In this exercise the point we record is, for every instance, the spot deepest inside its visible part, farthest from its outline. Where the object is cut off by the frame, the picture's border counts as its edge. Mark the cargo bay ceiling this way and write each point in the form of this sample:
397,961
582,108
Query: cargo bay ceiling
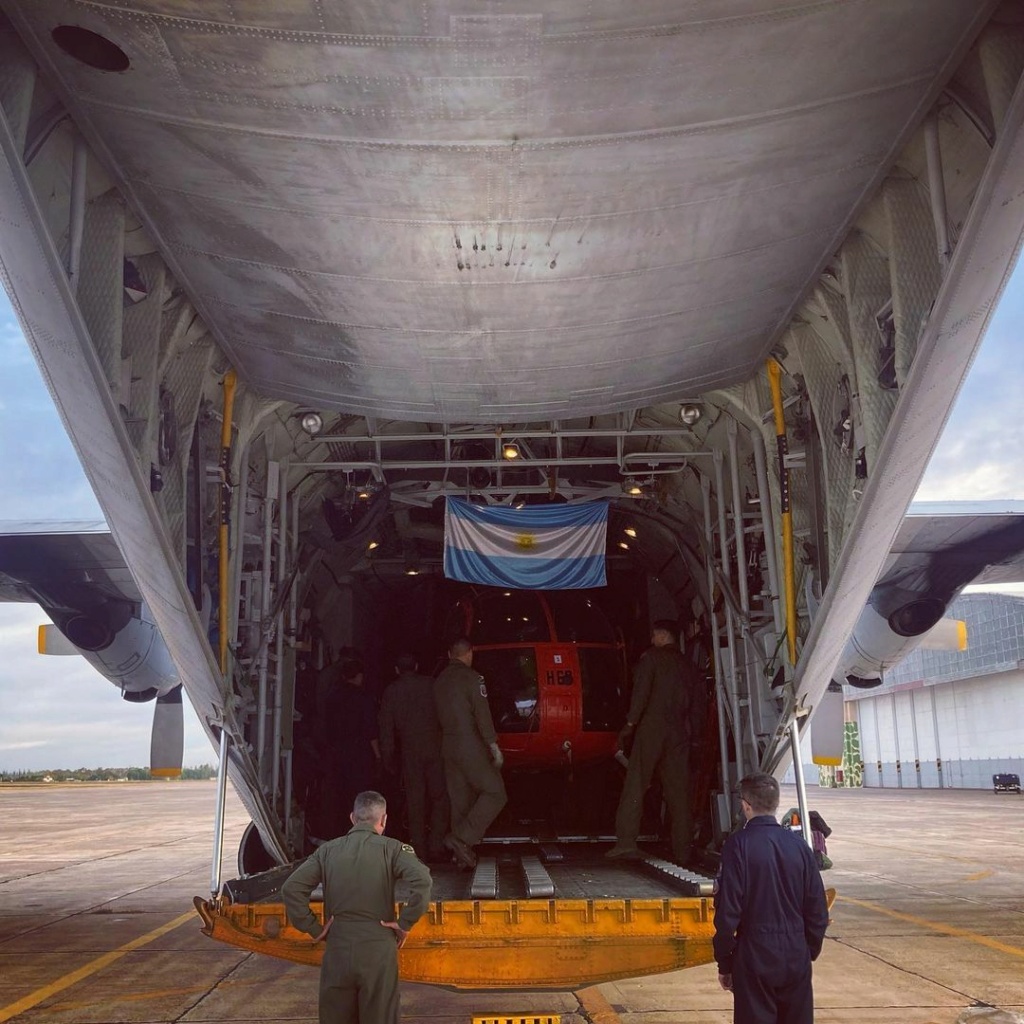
440,211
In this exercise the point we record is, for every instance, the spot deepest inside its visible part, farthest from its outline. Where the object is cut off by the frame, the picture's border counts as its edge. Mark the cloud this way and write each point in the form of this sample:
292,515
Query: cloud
981,452
61,713
43,478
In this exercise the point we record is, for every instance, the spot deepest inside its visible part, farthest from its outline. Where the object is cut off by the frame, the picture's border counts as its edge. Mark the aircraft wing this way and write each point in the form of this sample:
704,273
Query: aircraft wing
76,572
989,530
40,560
940,548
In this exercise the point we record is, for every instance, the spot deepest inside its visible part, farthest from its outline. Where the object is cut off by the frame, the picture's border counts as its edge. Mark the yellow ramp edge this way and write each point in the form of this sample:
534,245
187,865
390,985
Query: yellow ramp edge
501,944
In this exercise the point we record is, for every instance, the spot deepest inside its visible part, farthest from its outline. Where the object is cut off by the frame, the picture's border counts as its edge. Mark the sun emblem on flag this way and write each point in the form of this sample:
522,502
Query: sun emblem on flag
525,541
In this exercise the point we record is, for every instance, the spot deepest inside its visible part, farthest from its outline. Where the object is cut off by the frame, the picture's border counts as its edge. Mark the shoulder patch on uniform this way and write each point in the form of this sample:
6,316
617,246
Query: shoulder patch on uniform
483,689
406,848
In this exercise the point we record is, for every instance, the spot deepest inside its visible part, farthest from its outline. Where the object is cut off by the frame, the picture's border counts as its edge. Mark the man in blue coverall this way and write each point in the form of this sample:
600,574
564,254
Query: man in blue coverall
770,914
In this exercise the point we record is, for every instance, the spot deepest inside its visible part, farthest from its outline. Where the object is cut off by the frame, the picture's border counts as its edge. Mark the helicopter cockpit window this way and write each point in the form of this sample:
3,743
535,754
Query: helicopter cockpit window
510,617
578,619
604,689
511,678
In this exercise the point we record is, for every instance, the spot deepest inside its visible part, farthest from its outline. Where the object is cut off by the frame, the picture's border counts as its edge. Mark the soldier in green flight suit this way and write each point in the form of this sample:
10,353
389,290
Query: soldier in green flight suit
660,713
469,746
359,972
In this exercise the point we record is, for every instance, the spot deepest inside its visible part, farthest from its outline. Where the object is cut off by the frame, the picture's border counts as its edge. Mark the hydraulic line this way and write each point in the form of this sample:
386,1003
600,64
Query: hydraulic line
225,517
788,574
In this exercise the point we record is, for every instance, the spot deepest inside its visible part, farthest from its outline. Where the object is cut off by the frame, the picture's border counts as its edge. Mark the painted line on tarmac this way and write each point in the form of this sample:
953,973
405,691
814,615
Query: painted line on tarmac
596,1007
44,993
935,926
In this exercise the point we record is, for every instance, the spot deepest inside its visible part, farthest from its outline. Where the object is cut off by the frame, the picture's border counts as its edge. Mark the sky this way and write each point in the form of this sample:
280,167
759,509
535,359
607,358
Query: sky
60,713
56,712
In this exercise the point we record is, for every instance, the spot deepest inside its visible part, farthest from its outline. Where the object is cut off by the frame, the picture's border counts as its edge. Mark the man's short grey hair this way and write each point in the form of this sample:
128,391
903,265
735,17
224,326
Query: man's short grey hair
369,807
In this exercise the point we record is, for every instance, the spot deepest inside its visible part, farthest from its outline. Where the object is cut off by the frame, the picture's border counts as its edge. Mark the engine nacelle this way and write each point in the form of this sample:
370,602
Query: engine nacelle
881,640
126,649
873,647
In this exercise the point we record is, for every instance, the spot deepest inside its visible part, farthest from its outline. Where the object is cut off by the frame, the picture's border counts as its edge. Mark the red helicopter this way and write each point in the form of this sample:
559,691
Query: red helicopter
555,671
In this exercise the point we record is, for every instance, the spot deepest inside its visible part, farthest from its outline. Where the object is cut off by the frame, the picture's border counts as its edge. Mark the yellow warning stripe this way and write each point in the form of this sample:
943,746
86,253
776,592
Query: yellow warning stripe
935,926
44,993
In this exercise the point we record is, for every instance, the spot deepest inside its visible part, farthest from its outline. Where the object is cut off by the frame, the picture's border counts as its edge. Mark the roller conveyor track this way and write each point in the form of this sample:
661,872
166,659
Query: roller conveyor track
536,878
484,885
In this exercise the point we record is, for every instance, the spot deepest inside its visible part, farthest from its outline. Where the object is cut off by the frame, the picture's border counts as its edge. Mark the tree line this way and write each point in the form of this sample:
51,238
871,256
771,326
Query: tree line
203,771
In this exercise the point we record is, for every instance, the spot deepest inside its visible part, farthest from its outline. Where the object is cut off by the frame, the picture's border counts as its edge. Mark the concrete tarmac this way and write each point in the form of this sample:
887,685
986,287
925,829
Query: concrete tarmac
96,922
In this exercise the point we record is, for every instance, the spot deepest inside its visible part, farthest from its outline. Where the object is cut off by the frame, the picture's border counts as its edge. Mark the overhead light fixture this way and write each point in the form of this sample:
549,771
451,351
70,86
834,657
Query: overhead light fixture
412,572
364,495
690,414
623,545
373,544
312,423
630,531
635,490
510,450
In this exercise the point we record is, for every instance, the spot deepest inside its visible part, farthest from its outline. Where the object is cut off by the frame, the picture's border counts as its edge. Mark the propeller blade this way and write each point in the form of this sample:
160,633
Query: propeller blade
168,741
52,641
946,635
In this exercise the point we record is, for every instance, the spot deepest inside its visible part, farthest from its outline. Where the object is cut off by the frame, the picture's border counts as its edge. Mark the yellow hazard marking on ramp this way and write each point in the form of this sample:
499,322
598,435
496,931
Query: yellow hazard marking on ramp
596,1007
935,926
44,993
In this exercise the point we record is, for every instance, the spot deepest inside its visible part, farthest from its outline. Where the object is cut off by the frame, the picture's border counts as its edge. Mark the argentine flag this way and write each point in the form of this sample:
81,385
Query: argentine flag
544,547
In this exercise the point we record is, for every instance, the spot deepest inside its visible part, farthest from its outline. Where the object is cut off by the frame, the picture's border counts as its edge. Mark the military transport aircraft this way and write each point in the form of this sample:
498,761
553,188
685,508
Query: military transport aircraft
298,273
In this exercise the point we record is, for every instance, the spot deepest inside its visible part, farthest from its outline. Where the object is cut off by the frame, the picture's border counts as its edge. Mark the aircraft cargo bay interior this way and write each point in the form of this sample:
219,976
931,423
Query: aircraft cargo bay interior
310,283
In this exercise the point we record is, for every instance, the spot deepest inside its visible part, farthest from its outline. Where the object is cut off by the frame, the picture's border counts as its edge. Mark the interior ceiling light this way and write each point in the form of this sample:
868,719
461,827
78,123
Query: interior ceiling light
623,545
364,494
373,544
635,489
630,531
690,414
412,572
312,423
510,450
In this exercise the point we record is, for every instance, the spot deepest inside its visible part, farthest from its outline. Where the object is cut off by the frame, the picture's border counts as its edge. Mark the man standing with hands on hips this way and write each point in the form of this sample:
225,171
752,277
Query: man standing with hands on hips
770,914
359,972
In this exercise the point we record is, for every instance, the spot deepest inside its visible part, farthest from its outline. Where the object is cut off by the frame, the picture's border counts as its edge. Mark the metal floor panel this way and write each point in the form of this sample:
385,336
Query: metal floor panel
579,871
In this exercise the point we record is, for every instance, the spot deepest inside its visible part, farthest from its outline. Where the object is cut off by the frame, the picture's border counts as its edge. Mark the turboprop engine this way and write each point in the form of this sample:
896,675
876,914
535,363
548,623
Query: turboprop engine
879,642
124,645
